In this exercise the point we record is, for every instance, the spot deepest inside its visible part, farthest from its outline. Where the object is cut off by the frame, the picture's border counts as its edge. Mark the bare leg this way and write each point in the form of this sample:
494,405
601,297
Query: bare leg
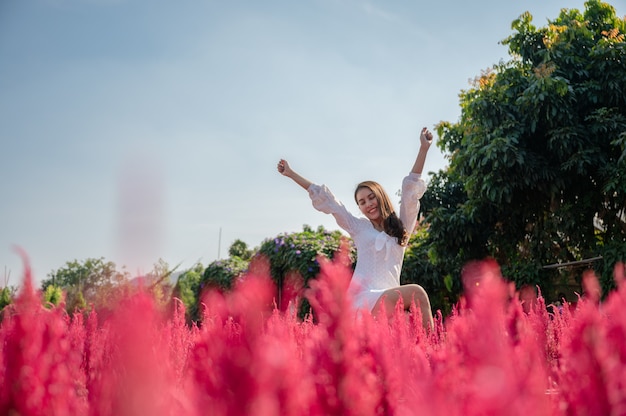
388,300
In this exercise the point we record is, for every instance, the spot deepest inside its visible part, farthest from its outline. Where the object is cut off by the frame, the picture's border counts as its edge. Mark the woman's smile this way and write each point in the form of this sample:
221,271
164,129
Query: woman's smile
368,203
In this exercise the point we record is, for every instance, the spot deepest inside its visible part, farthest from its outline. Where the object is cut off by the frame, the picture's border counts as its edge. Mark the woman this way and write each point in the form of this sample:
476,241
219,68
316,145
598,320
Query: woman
380,238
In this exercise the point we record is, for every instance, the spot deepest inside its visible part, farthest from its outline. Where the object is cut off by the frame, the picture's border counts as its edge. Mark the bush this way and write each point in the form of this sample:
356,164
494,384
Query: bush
52,296
5,298
187,288
299,252
222,274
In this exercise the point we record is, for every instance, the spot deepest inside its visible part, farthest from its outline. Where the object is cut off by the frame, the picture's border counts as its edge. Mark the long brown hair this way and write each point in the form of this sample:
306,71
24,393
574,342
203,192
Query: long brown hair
391,223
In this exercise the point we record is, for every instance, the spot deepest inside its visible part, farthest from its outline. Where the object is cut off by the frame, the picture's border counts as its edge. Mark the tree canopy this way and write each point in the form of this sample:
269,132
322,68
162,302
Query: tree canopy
537,160
88,282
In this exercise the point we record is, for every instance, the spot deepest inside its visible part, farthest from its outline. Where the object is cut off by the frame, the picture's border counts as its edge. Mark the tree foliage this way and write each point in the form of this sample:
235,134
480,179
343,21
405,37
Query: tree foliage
90,282
52,296
537,171
187,289
298,253
222,274
157,281
6,292
240,249
6,297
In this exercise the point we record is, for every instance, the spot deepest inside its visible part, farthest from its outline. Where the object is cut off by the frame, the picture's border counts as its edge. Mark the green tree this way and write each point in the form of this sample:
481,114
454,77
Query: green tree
187,289
157,281
6,297
92,281
537,170
222,274
6,293
53,295
240,249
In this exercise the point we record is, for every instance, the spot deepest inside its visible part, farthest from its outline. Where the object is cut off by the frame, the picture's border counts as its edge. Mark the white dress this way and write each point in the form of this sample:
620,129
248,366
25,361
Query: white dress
379,256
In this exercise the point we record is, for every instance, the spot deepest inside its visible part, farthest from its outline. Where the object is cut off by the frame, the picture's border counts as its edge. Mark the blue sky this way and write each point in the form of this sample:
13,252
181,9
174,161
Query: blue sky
138,129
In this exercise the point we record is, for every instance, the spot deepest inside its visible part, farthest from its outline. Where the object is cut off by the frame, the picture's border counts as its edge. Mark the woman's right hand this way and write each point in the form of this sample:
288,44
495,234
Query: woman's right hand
283,168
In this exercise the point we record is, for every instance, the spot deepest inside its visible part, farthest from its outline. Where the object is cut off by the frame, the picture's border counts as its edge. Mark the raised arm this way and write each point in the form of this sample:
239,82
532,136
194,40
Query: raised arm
285,170
426,139
412,188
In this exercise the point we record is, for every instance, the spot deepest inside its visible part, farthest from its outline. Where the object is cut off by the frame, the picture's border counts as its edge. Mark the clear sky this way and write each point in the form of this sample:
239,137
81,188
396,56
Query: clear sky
138,129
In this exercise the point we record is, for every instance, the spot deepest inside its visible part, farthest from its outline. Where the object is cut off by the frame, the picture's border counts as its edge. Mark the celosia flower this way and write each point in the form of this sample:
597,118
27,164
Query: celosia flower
491,356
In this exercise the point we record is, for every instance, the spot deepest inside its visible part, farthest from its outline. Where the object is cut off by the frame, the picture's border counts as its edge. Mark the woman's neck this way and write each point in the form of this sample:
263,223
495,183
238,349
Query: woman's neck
378,226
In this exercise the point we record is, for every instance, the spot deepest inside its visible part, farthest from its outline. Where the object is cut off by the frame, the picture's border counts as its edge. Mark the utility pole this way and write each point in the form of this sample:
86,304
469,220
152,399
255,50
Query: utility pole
219,244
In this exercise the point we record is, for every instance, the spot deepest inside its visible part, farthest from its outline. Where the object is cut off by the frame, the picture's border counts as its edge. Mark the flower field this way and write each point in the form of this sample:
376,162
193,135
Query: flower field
488,358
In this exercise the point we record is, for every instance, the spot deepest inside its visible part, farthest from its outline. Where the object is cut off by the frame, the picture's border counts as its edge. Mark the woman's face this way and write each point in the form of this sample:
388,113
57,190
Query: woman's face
368,204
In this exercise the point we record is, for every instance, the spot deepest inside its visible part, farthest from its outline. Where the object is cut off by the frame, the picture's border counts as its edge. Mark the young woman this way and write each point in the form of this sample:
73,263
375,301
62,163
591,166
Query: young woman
380,238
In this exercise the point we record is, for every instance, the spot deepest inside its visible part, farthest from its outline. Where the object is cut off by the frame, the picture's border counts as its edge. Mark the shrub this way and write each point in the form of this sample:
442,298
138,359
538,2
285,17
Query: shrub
187,289
52,296
295,256
5,297
222,274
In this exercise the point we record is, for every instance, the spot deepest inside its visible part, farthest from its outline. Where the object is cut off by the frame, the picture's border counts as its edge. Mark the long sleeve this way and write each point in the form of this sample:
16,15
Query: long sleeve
413,188
323,200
